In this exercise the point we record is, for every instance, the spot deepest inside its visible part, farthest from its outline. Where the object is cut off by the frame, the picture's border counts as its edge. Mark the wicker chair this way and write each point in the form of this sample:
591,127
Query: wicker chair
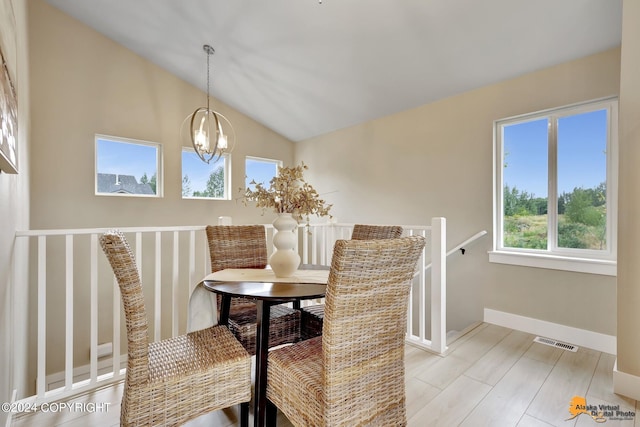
245,246
311,316
374,232
172,381
353,374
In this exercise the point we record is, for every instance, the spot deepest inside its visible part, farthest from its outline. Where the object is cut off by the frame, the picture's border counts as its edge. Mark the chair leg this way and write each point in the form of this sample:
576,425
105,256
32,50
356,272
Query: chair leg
244,414
272,414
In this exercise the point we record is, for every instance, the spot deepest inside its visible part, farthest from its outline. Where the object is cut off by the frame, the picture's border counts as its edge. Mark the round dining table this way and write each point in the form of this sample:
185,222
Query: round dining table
268,291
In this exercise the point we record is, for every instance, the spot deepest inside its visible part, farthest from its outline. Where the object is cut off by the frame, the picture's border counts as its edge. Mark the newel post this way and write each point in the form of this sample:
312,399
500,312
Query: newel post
438,284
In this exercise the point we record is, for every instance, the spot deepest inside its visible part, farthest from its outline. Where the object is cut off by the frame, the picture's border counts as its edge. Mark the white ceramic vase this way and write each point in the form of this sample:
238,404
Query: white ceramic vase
285,260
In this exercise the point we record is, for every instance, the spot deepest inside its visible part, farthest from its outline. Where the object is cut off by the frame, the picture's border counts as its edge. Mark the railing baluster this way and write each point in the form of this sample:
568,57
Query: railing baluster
318,247
42,315
325,245
175,283
138,254
206,267
192,261
422,308
93,284
410,312
68,378
305,247
157,306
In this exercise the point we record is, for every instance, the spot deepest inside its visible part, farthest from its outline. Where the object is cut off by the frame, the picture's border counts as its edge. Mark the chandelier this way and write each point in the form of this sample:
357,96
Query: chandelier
210,132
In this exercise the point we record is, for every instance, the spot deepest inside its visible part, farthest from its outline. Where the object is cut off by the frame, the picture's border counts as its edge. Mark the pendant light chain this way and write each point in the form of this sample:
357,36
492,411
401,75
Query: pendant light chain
209,51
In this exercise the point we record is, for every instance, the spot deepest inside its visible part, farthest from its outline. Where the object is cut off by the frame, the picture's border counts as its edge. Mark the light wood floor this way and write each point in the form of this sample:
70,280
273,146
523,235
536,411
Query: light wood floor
490,376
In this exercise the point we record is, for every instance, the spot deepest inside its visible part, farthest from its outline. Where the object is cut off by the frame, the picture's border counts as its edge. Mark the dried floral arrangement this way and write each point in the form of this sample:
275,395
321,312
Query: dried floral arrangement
288,192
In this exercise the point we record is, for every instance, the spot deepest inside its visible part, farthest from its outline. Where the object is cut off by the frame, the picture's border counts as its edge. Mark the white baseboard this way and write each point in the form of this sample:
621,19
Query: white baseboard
81,373
568,334
625,384
14,395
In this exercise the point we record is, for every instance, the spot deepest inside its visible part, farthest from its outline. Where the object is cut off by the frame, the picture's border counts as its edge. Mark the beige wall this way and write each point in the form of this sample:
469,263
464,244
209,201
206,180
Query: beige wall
14,212
83,84
436,160
629,200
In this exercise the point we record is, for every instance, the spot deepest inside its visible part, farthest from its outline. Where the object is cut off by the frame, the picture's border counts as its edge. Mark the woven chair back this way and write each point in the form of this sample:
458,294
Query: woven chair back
120,256
237,246
364,327
373,232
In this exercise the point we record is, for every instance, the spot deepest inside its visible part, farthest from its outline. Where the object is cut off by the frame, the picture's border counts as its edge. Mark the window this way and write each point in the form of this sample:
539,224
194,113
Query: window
202,180
127,167
556,189
260,170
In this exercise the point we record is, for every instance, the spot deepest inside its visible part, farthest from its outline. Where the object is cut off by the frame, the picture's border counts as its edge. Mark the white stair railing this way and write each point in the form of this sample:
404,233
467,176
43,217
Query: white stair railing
70,262
438,300
79,269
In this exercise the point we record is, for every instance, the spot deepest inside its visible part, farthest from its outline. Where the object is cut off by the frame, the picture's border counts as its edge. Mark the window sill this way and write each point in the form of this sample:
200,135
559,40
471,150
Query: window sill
555,262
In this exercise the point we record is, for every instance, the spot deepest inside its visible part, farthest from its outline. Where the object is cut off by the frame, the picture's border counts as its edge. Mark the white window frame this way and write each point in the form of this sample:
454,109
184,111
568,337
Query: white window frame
226,158
578,260
277,163
122,140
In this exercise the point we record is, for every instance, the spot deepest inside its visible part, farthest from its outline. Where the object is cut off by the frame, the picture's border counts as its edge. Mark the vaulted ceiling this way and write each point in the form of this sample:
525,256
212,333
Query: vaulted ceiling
305,68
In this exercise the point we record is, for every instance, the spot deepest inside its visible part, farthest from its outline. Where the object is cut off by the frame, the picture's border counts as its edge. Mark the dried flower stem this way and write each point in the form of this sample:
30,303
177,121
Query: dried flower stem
288,192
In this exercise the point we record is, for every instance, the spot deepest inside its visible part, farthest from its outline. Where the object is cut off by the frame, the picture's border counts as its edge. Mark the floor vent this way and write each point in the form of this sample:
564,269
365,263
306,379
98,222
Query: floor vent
557,344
